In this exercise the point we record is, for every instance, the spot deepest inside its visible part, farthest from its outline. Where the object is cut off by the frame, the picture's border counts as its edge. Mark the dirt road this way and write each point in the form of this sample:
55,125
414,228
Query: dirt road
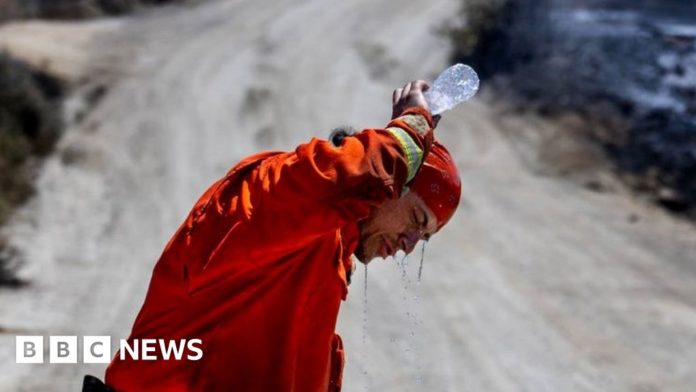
537,284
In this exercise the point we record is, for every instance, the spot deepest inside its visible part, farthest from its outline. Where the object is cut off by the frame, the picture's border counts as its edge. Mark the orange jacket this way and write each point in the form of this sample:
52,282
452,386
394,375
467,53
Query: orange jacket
258,269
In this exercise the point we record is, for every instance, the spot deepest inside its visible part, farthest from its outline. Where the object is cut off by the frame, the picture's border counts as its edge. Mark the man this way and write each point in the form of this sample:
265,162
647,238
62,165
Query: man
260,266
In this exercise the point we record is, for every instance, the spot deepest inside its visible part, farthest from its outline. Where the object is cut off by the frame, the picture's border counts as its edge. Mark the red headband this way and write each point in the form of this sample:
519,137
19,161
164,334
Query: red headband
438,183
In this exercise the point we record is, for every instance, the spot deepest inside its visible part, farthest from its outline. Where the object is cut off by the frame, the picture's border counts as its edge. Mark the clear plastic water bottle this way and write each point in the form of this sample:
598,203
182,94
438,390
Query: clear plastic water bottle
453,86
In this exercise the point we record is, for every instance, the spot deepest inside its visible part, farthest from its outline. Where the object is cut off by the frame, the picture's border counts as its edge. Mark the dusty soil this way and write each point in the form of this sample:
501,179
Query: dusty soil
538,284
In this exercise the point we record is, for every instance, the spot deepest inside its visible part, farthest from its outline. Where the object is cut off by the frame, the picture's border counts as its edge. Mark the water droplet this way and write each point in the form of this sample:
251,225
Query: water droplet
404,277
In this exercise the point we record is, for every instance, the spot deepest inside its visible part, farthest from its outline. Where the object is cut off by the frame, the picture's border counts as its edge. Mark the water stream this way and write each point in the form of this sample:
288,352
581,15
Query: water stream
366,374
420,267
410,303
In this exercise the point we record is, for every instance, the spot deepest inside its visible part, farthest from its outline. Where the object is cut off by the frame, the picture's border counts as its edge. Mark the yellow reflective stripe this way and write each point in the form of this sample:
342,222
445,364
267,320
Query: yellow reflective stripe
414,154
417,122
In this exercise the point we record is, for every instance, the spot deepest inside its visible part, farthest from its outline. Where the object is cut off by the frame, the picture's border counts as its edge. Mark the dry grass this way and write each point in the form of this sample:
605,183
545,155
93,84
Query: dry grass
30,124
71,9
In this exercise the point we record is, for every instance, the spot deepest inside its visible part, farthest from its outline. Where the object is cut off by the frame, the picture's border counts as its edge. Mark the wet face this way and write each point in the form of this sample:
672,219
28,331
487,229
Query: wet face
395,225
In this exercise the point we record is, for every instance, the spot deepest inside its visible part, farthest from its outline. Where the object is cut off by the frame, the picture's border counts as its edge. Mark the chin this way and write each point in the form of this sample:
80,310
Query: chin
361,256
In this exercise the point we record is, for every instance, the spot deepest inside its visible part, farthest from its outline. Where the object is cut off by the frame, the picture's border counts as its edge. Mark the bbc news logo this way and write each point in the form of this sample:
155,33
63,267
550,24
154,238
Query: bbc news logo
97,349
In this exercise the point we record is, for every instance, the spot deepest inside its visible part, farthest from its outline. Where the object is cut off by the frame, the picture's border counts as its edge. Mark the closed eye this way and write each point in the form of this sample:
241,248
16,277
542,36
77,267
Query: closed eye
419,220
425,221
414,218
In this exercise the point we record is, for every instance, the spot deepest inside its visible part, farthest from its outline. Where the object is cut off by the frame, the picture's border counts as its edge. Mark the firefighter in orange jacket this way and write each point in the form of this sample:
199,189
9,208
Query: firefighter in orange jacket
261,264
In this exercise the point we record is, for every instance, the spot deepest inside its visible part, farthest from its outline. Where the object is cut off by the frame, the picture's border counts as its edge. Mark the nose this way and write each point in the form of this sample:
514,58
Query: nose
409,240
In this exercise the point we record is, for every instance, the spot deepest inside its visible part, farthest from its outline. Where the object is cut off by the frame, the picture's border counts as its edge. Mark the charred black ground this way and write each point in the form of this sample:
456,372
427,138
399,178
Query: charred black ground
628,67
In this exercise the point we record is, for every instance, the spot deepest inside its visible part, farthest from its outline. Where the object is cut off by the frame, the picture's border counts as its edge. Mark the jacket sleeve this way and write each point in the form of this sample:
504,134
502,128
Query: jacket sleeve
297,196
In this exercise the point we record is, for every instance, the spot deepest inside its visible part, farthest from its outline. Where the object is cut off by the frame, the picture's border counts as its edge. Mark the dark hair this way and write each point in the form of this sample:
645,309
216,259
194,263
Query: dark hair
338,135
